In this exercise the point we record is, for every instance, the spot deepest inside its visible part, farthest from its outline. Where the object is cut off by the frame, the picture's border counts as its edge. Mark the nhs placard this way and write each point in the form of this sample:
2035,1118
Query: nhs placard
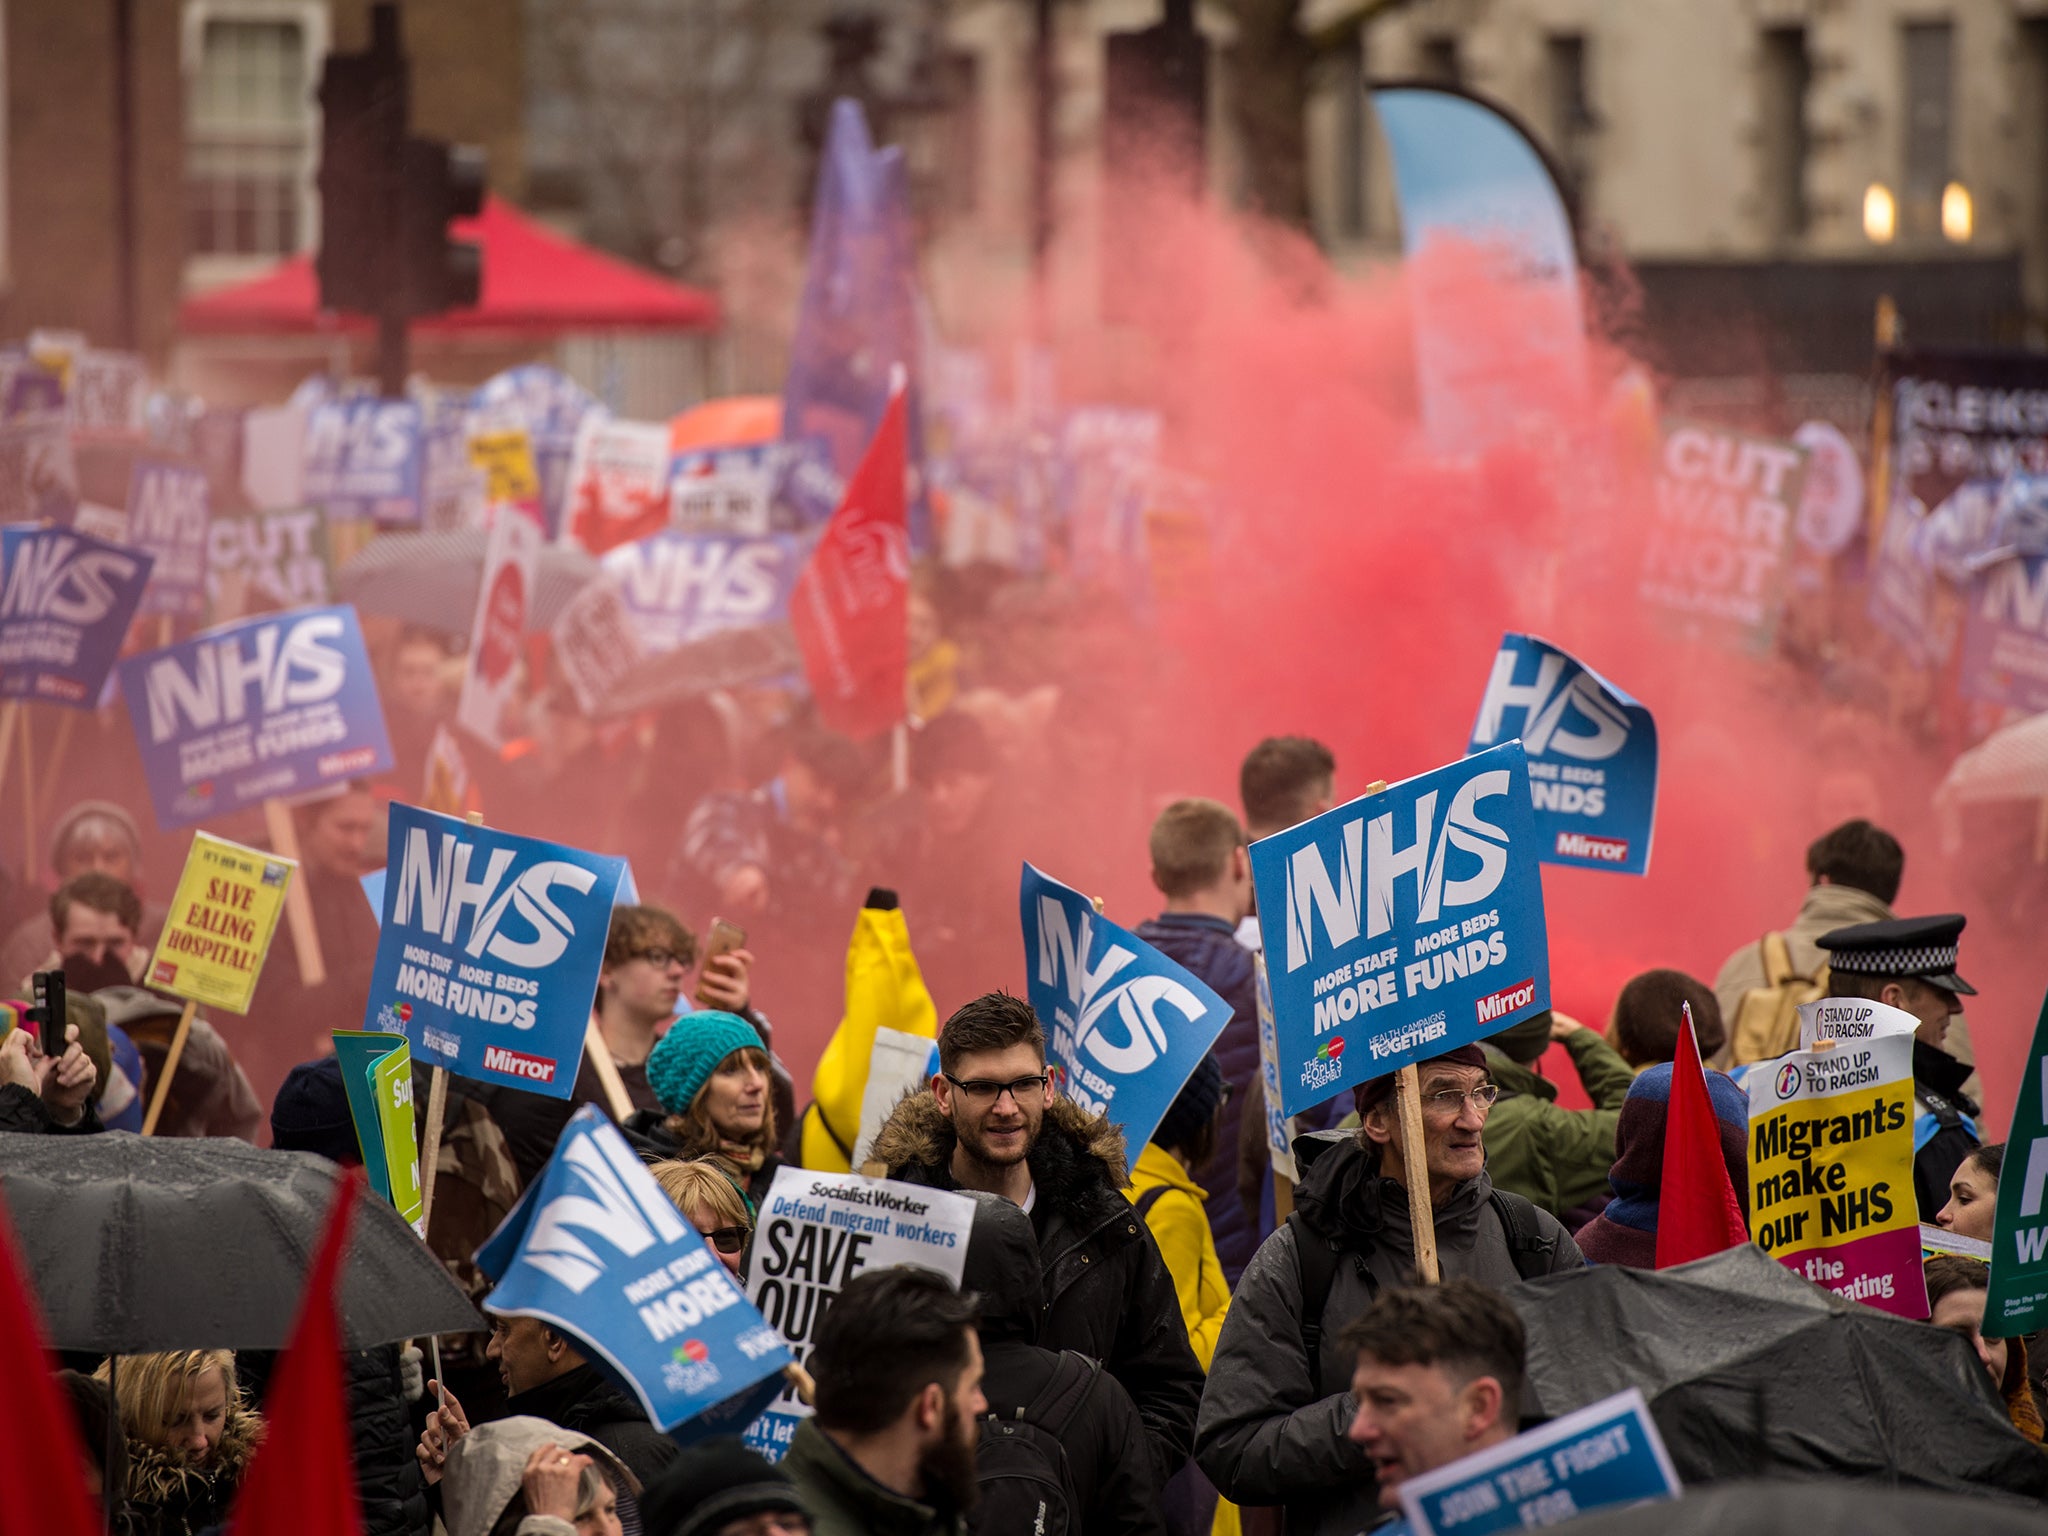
263,709
1124,1025
1592,754
680,587
66,602
1403,924
490,949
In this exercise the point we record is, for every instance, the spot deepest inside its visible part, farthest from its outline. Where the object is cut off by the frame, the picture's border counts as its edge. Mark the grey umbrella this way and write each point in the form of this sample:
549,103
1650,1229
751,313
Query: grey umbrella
1750,1370
1823,1507
431,579
138,1244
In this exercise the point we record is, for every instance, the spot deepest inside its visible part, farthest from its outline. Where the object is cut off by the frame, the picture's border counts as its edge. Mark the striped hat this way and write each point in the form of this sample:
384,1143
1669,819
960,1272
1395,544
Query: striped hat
1920,948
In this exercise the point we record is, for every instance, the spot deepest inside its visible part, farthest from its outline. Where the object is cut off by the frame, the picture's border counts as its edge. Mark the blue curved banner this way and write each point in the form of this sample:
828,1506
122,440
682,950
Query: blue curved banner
1467,176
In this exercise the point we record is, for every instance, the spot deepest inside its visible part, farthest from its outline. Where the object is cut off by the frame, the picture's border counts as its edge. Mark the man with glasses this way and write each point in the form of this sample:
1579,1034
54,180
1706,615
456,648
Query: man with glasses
1276,1413
992,1122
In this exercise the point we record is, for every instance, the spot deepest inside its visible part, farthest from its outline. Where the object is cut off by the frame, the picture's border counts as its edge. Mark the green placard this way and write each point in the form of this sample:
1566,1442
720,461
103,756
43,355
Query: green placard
376,1071
2018,1302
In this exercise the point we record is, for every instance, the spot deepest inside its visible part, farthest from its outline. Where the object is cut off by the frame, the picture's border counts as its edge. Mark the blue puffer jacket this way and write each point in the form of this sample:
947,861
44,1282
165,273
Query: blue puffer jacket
1207,946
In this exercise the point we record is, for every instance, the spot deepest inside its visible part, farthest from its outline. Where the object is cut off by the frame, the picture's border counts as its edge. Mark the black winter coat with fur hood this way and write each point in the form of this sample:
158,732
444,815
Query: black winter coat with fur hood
1108,1293
169,1497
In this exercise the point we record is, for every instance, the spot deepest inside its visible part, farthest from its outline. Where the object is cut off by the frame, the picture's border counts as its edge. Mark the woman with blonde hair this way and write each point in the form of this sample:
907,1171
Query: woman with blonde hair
712,1203
710,1073
190,1437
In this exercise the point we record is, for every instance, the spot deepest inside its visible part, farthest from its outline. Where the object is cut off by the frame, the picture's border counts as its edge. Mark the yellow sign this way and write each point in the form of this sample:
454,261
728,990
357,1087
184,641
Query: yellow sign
506,458
220,923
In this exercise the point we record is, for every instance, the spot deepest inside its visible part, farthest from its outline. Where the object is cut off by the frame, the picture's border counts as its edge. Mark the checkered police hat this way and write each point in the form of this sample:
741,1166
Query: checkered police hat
1922,948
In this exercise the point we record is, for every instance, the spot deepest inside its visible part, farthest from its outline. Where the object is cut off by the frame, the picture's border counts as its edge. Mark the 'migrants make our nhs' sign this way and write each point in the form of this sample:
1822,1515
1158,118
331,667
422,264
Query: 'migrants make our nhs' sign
1403,925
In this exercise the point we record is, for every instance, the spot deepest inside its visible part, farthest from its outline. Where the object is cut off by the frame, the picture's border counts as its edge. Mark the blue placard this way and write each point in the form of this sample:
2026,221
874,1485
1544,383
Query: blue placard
595,1250
489,951
1403,925
2005,635
551,406
1604,1456
680,587
168,514
1592,755
363,459
262,709
1124,1025
66,604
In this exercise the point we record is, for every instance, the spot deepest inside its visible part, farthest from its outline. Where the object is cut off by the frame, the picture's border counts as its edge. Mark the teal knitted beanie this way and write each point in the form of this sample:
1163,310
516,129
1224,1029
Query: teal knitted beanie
684,1058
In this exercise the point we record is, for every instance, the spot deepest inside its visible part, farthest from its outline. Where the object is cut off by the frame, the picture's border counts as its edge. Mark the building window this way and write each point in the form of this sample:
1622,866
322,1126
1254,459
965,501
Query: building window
1929,110
1783,81
251,129
1570,106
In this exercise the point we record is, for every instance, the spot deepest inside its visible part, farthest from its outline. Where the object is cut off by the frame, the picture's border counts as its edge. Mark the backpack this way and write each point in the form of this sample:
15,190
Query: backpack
1027,1488
1766,1022
1316,1262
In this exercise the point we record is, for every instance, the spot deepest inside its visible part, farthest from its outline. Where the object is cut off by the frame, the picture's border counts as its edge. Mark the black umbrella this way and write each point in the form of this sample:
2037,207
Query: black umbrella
136,1244
431,579
730,658
1824,1507
1750,1369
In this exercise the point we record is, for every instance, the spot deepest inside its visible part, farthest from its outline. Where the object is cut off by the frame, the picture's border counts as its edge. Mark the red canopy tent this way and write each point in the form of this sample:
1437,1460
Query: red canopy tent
535,282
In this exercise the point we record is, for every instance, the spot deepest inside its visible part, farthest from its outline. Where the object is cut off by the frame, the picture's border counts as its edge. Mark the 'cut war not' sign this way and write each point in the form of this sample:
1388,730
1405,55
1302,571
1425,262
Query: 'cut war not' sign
817,1231
1720,539
1831,1170
1403,925
1125,1026
66,604
1592,754
267,708
490,949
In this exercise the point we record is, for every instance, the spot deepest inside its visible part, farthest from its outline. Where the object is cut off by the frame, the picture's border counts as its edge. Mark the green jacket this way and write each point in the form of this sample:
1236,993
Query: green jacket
845,1501
1556,1157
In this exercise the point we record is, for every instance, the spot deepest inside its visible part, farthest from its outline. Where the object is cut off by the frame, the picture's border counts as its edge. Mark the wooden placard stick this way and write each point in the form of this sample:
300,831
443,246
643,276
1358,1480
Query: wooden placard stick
298,905
170,1069
53,774
430,1133
607,1071
10,718
29,861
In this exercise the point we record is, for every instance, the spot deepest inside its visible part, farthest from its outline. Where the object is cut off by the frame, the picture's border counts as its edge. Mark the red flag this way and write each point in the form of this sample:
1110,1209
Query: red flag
1697,1212
851,606
302,1481
42,1460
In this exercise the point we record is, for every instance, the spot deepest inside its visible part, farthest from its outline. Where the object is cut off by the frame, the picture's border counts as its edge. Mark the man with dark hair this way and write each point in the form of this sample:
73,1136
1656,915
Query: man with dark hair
1201,866
1648,1011
992,1121
1284,781
890,1447
95,917
1275,1413
1852,876
1438,1378
1910,964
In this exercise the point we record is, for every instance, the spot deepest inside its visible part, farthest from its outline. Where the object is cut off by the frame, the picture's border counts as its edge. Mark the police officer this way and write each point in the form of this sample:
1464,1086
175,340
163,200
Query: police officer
1910,963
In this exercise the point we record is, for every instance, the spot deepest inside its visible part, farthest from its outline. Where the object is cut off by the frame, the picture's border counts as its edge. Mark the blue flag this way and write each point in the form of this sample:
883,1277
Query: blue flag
596,1251
1601,1457
364,458
1592,755
64,610
489,951
857,320
1466,175
1403,925
1124,1024
680,587
265,708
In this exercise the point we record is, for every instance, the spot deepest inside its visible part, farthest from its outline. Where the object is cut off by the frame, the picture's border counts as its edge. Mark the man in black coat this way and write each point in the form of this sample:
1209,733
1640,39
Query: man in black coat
991,1123
1102,1432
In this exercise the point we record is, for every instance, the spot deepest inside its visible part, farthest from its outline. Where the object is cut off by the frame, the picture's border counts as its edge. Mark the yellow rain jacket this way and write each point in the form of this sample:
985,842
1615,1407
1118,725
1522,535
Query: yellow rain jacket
884,990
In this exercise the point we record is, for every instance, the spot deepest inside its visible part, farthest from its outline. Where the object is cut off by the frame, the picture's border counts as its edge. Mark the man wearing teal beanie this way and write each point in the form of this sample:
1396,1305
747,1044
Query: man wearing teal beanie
710,1072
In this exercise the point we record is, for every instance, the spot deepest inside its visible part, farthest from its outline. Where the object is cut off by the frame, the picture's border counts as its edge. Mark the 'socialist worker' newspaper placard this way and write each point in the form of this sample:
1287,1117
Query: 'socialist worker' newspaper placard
1831,1170
819,1230
220,924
